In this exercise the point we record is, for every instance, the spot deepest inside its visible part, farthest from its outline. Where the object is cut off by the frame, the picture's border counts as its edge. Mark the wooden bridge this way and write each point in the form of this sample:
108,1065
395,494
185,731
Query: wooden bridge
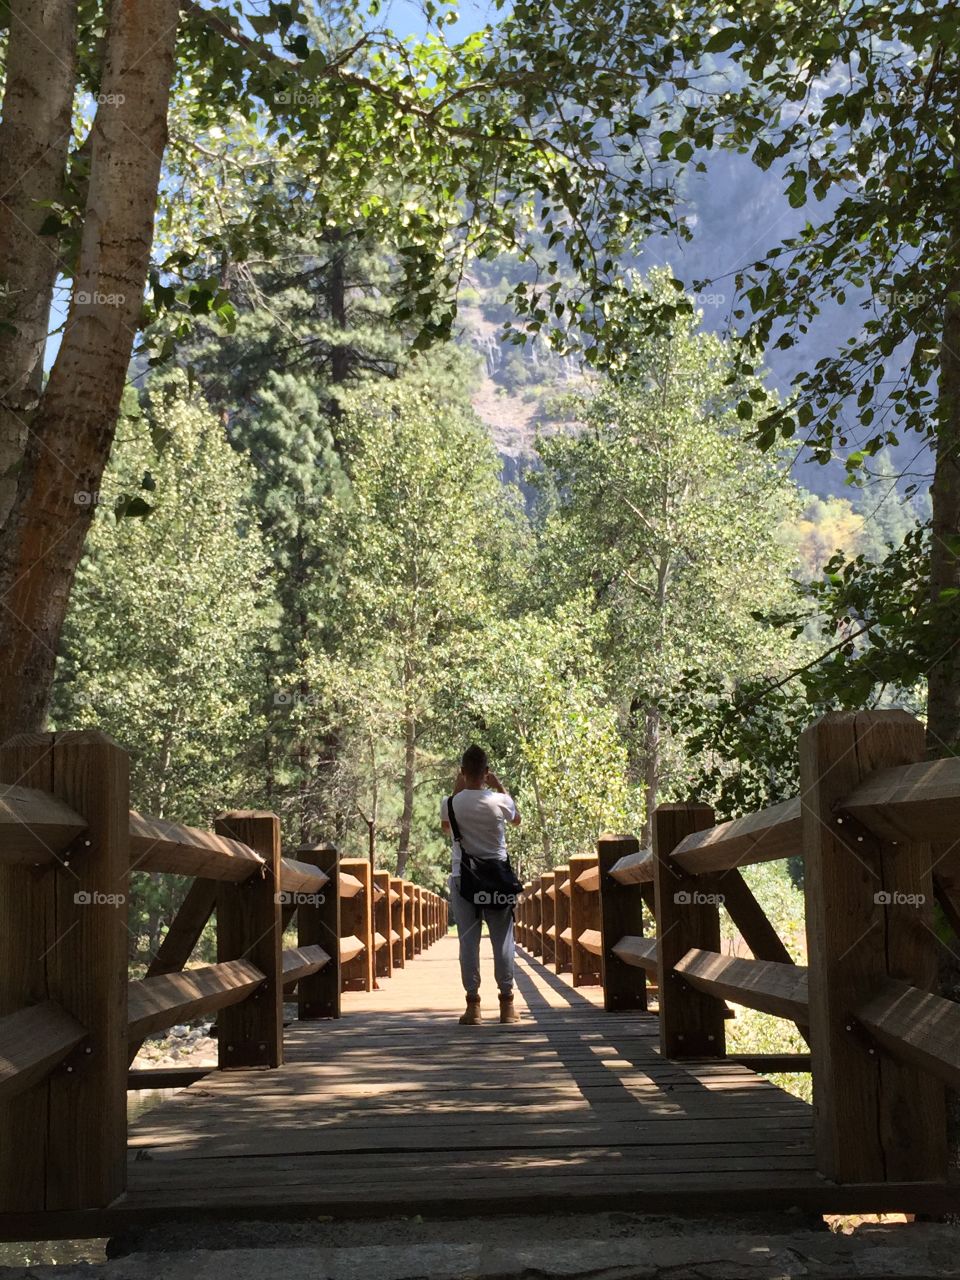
593,1100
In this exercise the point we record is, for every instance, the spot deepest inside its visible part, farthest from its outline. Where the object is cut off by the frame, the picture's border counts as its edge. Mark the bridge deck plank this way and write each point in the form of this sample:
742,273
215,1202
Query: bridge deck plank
396,1108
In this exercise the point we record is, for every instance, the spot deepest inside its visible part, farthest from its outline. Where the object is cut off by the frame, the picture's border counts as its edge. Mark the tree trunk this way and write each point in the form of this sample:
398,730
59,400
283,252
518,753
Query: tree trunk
943,687
651,773
34,140
72,431
409,783
542,819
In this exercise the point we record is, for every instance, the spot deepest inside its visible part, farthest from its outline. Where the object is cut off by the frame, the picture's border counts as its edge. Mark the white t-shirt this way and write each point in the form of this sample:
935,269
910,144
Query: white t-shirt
482,816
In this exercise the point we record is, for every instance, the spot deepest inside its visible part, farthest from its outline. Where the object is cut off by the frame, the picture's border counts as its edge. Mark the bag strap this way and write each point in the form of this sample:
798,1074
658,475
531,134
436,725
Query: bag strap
455,825
452,817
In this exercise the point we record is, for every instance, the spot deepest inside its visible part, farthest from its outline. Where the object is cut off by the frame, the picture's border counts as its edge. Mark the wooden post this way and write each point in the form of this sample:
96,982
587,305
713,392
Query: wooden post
417,920
318,924
548,880
869,918
536,939
621,916
540,924
249,927
397,948
409,921
356,919
688,915
383,960
63,938
562,951
584,915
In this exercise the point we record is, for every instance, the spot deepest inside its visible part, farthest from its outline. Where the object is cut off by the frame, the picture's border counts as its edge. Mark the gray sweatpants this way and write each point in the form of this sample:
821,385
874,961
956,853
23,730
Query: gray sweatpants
469,921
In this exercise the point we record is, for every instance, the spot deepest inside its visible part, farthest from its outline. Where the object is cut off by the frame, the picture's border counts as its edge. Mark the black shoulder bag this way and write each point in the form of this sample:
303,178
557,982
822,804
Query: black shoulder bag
485,882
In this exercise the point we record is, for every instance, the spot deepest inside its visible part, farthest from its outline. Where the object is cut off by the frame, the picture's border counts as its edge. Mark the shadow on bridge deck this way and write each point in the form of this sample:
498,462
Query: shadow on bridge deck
397,1109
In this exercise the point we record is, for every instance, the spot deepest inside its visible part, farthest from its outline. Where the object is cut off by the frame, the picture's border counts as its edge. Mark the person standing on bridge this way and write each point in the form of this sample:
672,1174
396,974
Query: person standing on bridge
482,884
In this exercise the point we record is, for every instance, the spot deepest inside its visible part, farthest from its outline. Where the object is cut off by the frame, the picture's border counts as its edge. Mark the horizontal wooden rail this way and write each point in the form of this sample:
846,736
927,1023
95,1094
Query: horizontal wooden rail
591,941
909,803
157,845
300,962
915,1026
641,953
157,1003
633,868
32,1042
350,886
589,879
301,877
34,826
780,989
350,948
759,837
379,940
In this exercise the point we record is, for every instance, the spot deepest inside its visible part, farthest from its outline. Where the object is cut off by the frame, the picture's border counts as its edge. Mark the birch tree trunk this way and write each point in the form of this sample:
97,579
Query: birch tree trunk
73,426
409,783
34,142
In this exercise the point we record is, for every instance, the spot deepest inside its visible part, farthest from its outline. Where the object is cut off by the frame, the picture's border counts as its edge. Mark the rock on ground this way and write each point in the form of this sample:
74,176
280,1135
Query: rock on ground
612,1246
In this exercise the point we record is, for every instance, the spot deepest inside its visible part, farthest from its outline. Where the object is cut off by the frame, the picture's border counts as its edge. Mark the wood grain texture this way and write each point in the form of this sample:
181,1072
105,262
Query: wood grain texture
621,914
916,1026
383,961
758,837
909,803
585,922
32,1042
780,989
63,937
157,1003
301,877
868,912
640,953
159,846
249,927
300,962
318,924
398,1105
35,827
688,916
356,920
562,951
633,868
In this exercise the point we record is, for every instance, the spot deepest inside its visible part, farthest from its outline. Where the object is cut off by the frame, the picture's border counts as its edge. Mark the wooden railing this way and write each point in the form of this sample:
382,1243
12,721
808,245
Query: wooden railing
70,1021
878,831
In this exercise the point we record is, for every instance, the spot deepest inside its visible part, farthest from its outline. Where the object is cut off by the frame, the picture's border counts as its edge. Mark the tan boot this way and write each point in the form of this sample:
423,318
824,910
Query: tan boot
508,1010
471,1015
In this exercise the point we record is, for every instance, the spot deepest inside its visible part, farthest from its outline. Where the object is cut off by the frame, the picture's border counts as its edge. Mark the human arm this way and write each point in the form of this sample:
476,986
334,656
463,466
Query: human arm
496,785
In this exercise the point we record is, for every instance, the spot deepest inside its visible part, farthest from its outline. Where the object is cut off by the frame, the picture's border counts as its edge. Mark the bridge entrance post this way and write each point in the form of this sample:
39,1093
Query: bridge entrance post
63,945
869,919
